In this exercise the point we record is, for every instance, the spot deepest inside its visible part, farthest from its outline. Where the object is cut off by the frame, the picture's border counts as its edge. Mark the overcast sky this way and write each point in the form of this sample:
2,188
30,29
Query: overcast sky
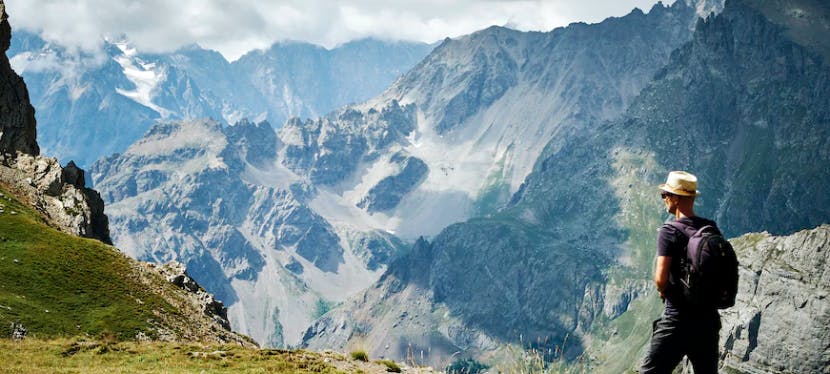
234,27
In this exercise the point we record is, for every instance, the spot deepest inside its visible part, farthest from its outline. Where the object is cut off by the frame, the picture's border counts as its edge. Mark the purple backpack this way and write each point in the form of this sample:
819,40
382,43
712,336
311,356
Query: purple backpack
709,272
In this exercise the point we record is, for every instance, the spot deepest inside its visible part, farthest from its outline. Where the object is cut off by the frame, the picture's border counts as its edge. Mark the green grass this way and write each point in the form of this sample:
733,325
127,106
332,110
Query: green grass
360,355
496,191
90,356
56,284
322,308
391,366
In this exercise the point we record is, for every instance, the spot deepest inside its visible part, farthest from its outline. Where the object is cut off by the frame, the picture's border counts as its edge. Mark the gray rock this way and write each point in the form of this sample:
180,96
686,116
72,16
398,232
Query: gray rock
779,322
234,252
547,261
377,248
294,266
512,278
78,211
390,190
73,175
212,197
329,150
18,331
257,143
176,273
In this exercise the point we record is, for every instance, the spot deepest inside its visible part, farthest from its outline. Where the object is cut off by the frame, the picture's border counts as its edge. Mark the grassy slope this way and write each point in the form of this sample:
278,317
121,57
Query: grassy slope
56,284
74,356
82,302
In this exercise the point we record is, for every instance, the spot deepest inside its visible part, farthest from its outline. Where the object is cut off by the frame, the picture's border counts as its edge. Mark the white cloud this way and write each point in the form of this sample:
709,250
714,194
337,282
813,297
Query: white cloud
235,27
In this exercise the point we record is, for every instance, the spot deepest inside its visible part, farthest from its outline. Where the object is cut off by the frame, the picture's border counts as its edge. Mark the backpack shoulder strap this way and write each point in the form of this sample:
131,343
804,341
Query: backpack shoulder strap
688,231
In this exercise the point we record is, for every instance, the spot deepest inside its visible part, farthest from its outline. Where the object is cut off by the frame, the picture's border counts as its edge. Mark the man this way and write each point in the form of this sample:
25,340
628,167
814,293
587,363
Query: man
682,330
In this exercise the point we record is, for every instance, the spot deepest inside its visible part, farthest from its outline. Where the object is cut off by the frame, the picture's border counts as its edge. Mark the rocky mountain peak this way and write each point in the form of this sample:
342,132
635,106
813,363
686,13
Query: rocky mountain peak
705,8
17,116
256,141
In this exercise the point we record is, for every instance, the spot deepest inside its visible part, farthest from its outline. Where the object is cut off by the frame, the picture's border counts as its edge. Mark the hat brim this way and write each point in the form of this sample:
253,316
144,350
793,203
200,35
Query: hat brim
668,189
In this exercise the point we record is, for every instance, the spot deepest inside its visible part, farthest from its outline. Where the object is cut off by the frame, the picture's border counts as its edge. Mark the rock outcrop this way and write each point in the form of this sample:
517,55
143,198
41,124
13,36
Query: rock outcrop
196,316
387,194
17,116
781,317
59,193
176,273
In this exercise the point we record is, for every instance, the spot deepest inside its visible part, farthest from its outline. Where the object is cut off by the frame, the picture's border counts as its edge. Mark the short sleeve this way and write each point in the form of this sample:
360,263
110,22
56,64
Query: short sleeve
666,237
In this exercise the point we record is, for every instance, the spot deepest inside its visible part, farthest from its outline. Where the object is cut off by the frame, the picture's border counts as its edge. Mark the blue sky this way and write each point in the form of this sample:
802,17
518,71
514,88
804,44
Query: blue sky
234,27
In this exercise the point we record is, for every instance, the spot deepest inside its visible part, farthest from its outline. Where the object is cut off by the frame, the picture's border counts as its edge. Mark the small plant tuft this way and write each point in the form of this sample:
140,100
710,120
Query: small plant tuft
466,366
360,355
391,366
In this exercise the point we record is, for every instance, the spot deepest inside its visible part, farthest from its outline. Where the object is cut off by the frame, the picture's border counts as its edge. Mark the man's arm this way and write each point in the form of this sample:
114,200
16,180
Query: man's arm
661,274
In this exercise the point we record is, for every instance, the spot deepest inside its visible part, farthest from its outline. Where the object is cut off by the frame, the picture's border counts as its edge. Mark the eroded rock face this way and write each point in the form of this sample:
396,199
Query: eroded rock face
217,199
58,193
387,194
17,116
194,315
780,319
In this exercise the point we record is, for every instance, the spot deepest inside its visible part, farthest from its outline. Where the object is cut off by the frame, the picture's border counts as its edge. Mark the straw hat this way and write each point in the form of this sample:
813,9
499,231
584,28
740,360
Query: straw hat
680,183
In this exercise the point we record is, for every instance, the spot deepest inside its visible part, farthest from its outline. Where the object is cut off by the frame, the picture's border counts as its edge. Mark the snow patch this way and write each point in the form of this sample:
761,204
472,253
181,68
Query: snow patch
77,90
143,75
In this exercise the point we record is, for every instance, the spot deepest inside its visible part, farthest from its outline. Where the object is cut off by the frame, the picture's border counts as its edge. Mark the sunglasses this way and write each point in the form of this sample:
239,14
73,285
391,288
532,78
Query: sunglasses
664,195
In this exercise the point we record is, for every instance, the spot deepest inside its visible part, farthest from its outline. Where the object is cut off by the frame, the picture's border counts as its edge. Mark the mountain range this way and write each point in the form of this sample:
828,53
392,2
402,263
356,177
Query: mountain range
743,104
281,226
111,96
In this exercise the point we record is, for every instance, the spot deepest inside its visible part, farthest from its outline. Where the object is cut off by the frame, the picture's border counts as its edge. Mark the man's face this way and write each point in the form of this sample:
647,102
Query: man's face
670,200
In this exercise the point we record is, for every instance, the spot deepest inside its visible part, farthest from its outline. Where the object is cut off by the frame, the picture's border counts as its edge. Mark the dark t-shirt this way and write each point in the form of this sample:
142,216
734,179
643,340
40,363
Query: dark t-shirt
672,243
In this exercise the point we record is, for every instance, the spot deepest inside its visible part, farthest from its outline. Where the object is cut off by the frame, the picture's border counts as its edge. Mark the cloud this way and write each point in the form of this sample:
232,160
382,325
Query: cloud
235,27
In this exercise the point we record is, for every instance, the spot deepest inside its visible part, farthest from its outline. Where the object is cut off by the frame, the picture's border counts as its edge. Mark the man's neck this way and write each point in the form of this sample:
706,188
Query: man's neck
678,214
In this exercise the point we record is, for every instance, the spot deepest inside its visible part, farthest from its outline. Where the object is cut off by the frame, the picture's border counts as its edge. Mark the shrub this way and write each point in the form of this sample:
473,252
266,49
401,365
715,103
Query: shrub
391,366
360,355
466,366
